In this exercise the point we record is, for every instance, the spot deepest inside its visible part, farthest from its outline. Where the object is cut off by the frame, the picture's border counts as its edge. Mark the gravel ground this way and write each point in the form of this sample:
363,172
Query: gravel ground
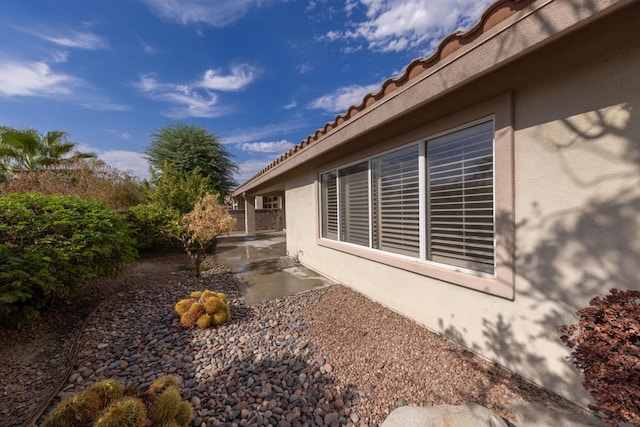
325,357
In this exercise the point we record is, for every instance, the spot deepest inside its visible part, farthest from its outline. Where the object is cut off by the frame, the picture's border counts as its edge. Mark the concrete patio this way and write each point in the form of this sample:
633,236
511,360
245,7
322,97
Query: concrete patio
261,264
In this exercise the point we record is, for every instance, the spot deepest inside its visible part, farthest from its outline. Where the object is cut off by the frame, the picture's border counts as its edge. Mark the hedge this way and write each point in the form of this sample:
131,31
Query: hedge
52,245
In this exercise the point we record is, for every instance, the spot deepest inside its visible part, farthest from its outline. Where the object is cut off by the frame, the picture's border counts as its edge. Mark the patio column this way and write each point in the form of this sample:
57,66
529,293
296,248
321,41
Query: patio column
283,216
249,214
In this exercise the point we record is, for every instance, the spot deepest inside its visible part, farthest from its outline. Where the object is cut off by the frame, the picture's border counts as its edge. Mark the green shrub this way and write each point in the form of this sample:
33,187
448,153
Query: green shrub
148,224
52,245
175,190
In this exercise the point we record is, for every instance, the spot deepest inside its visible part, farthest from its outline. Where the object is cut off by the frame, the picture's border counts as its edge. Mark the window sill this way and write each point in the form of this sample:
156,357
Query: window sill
494,285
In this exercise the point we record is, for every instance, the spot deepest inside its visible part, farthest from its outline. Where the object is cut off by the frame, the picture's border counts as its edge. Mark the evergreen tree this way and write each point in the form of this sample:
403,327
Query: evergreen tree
190,147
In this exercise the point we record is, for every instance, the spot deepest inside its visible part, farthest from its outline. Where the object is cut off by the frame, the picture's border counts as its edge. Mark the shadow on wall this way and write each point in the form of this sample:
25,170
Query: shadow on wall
569,255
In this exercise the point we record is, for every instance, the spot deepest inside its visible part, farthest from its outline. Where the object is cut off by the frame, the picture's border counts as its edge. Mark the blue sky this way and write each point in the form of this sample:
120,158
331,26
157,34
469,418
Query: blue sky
261,75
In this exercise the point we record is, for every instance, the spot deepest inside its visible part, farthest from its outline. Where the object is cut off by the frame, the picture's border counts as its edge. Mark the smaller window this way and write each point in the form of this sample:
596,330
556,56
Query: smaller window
354,204
271,202
329,203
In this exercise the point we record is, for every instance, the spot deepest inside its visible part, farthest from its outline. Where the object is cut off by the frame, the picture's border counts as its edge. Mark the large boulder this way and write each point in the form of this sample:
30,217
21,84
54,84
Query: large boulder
466,415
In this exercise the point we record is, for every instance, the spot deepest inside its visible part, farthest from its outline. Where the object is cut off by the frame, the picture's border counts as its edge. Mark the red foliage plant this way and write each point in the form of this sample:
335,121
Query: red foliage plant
605,345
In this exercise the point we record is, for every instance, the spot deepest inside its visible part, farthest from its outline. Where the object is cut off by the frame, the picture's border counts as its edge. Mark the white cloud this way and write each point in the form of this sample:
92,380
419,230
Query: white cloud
148,83
34,79
293,104
148,49
97,106
349,6
267,147
190,101
265,132
241,76
218,13
304,68
123,135
196,99
78,40
124,160
59,56
127,161
194,104
249,168
351,49
397,25
331,36
343,98
39,79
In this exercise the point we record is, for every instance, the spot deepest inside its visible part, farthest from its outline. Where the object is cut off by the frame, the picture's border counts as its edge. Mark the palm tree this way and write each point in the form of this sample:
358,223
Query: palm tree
30,151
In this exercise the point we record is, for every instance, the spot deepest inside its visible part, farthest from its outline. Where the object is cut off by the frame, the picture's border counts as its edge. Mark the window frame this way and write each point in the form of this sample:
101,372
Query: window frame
270,202
501,282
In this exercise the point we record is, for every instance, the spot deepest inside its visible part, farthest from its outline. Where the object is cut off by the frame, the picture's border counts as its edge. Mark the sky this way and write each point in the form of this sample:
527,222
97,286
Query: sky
260,75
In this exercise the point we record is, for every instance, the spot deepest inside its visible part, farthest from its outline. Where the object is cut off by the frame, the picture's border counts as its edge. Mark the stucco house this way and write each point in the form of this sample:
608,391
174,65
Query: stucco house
489,191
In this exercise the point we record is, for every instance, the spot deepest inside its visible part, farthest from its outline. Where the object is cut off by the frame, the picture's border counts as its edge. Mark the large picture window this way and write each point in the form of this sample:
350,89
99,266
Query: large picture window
443,215
460,198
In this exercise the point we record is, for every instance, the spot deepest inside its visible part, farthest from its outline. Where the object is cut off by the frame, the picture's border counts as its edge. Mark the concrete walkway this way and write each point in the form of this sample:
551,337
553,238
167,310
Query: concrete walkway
528,415
263,268
535,415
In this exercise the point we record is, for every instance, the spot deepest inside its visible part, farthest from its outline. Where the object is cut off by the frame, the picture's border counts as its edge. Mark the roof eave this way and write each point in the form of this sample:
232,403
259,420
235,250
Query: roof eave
534,25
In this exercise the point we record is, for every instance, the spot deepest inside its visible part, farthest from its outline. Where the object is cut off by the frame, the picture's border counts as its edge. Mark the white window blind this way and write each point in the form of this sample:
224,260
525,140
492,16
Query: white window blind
329,187
354,204
396,202
460,213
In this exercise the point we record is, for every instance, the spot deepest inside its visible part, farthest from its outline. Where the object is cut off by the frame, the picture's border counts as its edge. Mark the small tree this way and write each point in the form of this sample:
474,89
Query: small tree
606,347
199,229
175,190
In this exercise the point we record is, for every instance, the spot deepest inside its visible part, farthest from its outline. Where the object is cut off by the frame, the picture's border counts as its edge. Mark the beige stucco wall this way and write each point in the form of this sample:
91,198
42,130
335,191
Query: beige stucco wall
577,214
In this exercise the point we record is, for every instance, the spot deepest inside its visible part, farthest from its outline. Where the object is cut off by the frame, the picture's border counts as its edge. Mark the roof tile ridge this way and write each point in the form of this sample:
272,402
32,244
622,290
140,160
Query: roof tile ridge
493,15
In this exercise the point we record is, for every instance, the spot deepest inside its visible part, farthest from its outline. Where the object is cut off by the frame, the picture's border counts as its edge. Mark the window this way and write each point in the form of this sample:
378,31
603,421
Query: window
354,204
460,198
329,205
445,217
270,202
395,193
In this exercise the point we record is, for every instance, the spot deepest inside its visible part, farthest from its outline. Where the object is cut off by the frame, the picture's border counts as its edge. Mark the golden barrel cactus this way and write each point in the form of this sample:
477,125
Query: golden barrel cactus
203,309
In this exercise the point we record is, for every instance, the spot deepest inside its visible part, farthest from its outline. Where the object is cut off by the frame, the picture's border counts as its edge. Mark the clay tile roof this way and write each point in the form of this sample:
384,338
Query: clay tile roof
496,13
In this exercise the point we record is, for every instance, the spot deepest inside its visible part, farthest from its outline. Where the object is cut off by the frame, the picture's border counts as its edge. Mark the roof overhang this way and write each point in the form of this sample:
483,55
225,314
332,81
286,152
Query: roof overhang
508,31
